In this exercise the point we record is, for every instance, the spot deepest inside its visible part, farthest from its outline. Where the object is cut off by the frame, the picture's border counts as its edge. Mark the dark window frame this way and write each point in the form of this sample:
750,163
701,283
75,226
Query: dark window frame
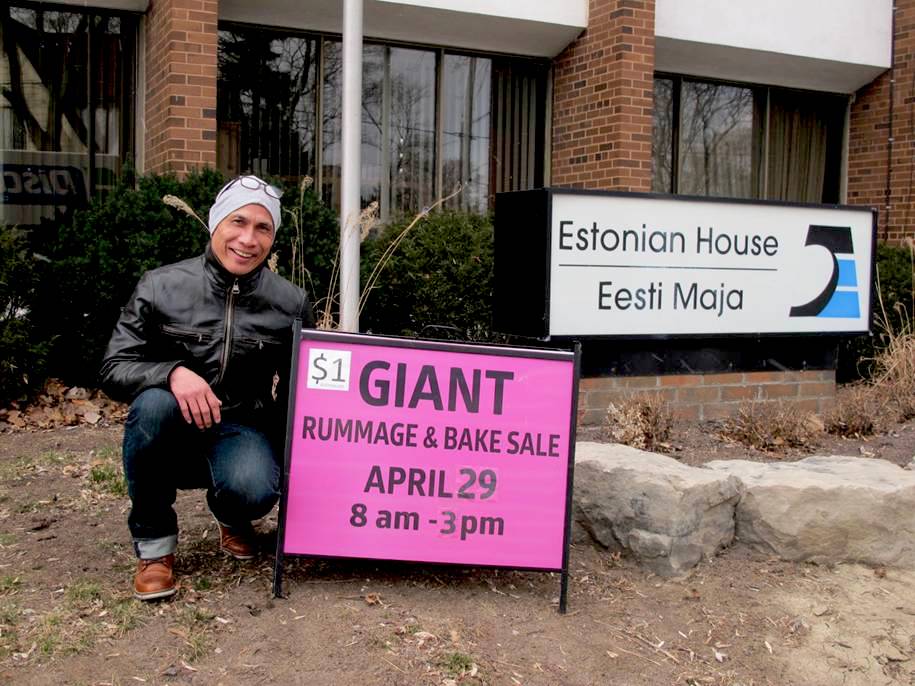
129,77
540,136
835,150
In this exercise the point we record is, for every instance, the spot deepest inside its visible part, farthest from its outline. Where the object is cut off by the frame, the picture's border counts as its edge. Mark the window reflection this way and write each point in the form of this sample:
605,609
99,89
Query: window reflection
267,103
465,137
45,96
662,137
332,123
710,138
716,137
480,136
64,125
398,129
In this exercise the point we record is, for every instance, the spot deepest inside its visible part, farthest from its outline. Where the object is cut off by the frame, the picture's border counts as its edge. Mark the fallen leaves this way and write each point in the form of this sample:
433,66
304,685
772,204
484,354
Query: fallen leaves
58,405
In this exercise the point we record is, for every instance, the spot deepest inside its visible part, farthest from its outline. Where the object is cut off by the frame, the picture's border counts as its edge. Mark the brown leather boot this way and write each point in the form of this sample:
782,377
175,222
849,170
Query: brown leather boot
155,579
239,543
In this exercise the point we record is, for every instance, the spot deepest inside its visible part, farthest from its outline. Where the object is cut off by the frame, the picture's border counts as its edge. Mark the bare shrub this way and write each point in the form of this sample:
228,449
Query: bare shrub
641,421
858,411
894,363
771,426
894,377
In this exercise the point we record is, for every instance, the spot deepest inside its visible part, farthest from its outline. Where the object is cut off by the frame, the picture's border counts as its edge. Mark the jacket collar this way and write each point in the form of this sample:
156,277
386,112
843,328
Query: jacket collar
224,279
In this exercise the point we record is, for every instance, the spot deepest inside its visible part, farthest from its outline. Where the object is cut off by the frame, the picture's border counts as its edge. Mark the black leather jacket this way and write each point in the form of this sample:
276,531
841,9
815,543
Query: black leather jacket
234,331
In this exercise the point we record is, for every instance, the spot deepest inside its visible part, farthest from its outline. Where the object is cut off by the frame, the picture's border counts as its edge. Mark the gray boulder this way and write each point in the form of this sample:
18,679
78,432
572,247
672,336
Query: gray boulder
669,515
826,509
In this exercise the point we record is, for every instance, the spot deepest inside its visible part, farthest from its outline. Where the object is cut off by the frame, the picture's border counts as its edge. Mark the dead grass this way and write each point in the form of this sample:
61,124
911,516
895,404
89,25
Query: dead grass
889,395
771,426
195,629
642,421
85,614
894,364
859,411
894,375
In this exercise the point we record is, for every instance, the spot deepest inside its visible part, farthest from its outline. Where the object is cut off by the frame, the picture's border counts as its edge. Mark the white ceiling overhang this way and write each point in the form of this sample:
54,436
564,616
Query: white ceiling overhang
826,45
730,63
536,29
127,5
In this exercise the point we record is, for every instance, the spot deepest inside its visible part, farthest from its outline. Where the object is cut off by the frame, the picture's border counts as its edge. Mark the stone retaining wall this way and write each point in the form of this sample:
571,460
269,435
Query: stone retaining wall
670,516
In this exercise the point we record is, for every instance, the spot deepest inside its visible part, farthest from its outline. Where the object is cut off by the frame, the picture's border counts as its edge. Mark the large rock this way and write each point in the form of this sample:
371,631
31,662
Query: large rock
827,509
669,515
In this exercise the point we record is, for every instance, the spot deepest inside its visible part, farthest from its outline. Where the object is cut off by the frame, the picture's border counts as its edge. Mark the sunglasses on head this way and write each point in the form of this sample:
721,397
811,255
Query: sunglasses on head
253,184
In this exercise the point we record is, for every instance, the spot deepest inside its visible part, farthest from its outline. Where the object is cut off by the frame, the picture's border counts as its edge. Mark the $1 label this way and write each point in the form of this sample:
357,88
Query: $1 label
328,369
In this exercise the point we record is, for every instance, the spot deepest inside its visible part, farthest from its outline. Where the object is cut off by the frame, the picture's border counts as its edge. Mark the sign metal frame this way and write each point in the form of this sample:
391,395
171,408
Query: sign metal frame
571,355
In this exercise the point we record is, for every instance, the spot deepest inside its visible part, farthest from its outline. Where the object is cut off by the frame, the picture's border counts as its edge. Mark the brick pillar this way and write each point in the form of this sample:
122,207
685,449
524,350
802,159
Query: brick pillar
181,41
869,134
603,92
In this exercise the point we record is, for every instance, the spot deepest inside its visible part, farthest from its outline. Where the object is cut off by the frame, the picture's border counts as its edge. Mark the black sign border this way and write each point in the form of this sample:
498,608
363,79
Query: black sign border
552,353
517,308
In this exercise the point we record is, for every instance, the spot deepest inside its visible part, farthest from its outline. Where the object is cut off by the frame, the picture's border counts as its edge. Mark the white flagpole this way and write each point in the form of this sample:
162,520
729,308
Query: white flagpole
350,196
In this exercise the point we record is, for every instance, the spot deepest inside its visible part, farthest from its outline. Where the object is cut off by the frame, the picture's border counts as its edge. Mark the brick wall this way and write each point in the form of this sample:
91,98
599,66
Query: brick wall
181,43
603,98
869,132
710,396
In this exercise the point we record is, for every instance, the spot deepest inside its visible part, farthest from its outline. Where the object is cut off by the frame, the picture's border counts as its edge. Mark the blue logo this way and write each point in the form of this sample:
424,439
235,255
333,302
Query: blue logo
840,296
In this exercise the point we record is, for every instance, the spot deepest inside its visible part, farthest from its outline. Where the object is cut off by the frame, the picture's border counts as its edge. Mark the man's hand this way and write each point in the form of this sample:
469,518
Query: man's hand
198,403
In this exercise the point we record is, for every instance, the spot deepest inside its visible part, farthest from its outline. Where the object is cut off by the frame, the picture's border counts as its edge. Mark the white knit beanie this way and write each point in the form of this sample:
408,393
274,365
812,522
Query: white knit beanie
245,190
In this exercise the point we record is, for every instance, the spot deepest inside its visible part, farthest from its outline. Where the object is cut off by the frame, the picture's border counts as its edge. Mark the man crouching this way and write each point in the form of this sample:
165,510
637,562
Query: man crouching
202,351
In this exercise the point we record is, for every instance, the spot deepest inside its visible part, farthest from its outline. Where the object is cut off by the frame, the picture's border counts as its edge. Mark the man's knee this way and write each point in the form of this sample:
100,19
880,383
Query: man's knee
253,490
153,409
151,430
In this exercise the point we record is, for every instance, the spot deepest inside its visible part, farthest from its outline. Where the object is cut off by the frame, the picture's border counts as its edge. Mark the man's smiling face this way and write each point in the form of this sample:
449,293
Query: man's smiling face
241,241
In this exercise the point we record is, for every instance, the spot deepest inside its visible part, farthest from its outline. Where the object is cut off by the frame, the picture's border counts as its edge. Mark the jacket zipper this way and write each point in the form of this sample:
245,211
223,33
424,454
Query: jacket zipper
227,337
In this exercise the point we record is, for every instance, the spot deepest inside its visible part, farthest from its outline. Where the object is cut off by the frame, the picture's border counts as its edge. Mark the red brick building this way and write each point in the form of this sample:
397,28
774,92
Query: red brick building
771,101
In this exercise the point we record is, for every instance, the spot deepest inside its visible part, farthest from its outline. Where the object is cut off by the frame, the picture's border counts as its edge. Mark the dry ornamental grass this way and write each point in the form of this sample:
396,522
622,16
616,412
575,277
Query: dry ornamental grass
771,426
642,421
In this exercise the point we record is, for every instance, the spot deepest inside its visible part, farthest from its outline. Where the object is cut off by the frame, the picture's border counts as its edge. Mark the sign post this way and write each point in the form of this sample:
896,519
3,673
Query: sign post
424,451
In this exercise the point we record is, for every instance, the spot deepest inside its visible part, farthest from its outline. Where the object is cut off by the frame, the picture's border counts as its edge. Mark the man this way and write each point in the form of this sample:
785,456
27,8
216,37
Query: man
201,351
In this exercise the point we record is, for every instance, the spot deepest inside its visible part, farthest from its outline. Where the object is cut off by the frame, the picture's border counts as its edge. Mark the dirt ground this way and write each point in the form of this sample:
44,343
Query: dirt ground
67,616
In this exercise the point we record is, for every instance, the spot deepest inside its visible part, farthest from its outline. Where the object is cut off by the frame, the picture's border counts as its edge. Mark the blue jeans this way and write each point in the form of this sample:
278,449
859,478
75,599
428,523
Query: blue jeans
235,462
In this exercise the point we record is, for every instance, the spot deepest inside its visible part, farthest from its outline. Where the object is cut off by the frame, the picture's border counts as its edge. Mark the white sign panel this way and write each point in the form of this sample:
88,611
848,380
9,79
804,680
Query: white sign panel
633,265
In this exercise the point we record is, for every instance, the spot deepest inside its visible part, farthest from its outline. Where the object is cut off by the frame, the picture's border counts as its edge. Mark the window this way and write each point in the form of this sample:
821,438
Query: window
716,140
431,119
398,129
67,85
746,142
465,134
266,103
519,112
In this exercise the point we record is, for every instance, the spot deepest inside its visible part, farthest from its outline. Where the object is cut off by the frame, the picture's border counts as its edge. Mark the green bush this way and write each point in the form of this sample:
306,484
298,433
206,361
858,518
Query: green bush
313,229
439,275
22,352
97,258
894,269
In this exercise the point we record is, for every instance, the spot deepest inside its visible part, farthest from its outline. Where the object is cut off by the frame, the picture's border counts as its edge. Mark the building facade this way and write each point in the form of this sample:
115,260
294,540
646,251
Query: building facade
805,101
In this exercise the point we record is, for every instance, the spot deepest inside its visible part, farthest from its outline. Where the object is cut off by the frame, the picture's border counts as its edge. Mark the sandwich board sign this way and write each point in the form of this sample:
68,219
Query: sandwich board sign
429,451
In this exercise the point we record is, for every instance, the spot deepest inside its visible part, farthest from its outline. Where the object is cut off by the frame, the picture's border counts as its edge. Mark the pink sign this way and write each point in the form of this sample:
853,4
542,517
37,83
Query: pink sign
434,452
